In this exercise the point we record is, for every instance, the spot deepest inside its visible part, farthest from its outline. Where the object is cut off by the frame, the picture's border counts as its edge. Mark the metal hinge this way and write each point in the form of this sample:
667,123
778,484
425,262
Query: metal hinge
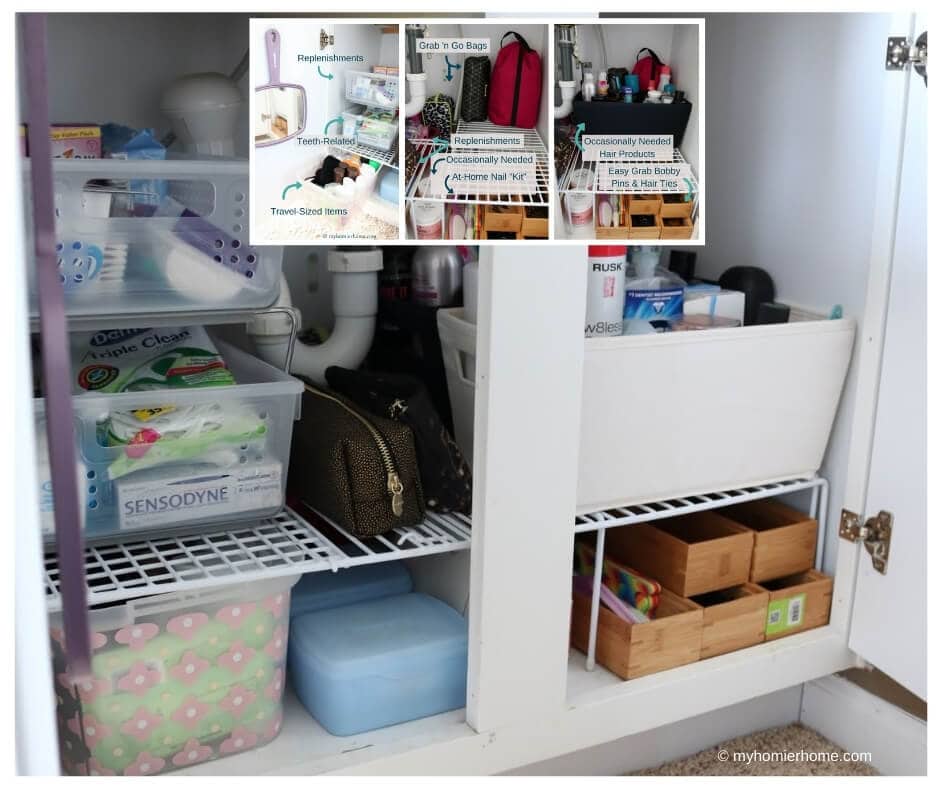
902,52
875,535
326,40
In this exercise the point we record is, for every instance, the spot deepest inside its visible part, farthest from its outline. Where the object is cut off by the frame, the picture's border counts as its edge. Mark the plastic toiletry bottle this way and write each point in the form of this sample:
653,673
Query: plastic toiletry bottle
602,84
669,94
652,94
587,82
627,94
653,295
606,273
665,78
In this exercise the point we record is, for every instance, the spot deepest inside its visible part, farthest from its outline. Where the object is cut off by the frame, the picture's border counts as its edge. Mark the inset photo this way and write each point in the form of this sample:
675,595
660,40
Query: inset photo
324,127
628,155
477,122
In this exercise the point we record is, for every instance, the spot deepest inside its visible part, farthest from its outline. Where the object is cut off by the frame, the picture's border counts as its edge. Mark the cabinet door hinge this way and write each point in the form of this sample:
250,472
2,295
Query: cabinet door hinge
902,52
875,534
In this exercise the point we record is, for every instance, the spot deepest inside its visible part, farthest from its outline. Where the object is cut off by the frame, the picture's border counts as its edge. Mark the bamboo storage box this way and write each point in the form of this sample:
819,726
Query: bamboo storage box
645,203
671,639
502,218
733,618
797,603
643,232
675,205
534,223
676,228
784,538
689,555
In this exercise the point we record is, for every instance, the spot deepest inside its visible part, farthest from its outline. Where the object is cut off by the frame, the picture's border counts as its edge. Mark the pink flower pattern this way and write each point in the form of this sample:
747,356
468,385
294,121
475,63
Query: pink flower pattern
234,615
141,725
273,727
139,679
189,667
187,624
190,711
241,739
95,769
276,687
237,700
135,637
192,752
236,657
276,604
277,645
90,729
88,689
144,765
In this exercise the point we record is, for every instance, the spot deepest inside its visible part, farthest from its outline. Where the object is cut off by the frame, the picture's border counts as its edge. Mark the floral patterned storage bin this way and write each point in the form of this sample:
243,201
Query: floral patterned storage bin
177,679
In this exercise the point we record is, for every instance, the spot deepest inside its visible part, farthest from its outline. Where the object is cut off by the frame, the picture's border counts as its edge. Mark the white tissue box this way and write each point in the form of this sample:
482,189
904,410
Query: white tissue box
719,303
173,495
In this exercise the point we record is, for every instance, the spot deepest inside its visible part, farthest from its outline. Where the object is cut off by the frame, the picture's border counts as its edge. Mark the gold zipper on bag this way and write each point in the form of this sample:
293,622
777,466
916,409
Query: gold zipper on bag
395,487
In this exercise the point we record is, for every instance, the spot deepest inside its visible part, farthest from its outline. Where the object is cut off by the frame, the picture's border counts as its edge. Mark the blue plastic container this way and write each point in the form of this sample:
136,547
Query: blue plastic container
377,663
323,590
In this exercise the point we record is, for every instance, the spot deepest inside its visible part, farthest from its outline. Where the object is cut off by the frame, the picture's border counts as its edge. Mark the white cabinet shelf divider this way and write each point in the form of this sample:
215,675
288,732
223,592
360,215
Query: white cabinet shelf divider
285,544
676,507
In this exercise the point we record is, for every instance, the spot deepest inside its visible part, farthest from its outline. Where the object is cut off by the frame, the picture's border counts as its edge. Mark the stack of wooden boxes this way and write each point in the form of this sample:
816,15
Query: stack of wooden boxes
731,578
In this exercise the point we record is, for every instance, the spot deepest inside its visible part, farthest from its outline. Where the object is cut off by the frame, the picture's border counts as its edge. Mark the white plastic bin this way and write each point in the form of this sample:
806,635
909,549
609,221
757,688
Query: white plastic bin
669,415
232,468
378,130
157,236
372,89
177,679
459,348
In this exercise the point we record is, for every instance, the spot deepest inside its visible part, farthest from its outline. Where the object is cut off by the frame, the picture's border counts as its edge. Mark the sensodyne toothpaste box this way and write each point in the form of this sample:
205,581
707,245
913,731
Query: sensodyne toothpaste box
175,495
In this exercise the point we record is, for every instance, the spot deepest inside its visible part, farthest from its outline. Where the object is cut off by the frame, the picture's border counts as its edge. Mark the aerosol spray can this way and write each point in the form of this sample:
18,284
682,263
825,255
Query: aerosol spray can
607,267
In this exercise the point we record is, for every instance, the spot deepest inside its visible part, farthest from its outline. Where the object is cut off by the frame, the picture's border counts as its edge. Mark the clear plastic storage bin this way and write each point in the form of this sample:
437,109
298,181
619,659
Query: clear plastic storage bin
372,89
223,456
378,130
156,236
177,679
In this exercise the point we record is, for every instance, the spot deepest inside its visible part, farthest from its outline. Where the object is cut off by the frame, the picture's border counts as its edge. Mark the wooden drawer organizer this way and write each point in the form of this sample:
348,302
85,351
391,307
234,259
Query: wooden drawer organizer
671,639
689,555
534,225
502,218
675,205
733,618
784,538
797,603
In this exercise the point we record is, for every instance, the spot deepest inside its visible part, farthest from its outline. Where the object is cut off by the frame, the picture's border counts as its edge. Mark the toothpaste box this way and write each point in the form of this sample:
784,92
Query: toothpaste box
168,496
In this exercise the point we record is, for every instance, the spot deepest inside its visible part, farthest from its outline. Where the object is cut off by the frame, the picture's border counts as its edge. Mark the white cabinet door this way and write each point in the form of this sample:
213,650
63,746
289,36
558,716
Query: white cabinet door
889,611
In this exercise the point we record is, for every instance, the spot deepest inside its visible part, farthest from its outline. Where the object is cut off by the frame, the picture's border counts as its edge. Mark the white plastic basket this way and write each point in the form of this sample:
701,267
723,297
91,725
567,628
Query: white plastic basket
157,236
459,347
372,89
243,478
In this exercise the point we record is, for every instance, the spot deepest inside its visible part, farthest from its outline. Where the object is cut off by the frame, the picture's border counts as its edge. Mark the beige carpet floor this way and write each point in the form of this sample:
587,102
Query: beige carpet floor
792,751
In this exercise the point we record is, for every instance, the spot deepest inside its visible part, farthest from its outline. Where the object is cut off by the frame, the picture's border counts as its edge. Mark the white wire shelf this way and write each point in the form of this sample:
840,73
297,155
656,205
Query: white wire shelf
387,157
532,143
676,507
577,163
285,544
